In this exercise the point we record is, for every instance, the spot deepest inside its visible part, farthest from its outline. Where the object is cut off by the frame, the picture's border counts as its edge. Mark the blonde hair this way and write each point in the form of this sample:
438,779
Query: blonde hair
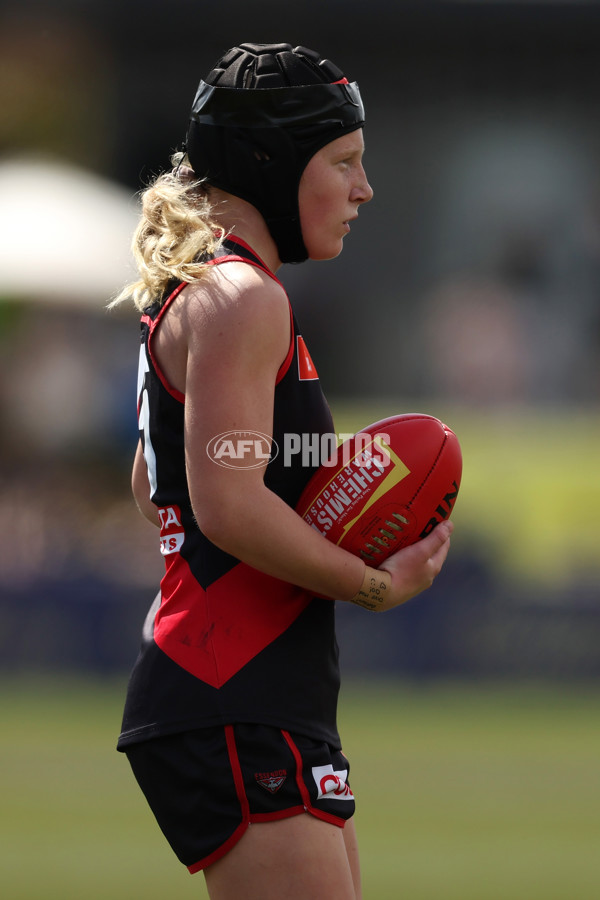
175,231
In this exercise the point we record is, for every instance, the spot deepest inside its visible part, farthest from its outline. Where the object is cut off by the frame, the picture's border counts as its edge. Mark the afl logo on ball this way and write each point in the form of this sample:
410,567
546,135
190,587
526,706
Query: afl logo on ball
242,449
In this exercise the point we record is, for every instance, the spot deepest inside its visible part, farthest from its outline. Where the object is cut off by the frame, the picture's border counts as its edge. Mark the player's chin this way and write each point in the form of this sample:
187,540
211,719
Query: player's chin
326,251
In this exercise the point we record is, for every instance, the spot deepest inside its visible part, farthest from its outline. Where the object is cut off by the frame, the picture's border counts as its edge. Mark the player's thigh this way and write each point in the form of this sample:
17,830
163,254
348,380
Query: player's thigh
351,844
300,858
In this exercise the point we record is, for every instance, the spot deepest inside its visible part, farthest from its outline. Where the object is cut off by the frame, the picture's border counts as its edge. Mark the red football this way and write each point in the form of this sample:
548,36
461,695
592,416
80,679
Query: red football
386,487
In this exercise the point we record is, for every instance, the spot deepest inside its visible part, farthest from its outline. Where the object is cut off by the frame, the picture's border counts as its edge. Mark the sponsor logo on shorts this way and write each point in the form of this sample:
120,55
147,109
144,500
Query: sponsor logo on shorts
331,784
271,781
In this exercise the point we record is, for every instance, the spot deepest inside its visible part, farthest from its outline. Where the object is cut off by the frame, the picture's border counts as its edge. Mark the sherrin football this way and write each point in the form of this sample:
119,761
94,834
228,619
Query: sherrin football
386,487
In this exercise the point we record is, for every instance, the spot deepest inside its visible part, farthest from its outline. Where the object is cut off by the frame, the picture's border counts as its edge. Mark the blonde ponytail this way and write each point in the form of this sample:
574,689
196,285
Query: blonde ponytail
174,232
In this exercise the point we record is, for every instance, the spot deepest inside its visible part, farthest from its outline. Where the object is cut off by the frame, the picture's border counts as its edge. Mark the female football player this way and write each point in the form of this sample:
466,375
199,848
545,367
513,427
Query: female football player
230,716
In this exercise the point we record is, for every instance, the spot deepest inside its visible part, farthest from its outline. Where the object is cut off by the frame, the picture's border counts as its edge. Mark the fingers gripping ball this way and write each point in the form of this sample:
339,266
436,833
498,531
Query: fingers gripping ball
386,487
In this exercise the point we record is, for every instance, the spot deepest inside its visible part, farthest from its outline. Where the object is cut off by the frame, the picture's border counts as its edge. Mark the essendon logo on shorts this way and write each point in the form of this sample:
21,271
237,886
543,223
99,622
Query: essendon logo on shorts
306,367
271,781
331,785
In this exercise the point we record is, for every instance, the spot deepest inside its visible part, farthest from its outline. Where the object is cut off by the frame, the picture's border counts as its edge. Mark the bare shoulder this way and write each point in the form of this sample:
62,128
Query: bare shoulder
235,292
236,317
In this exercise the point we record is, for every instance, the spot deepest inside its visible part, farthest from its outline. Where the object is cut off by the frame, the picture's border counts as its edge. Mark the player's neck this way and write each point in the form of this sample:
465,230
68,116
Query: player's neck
243,220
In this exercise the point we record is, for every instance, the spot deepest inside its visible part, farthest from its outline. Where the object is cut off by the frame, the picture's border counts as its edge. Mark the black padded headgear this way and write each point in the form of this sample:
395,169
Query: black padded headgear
258,118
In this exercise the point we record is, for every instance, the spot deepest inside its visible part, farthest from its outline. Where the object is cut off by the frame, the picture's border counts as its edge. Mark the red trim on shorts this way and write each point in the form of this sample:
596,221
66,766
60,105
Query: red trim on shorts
275,816
244,807
304,792
238,778
247,817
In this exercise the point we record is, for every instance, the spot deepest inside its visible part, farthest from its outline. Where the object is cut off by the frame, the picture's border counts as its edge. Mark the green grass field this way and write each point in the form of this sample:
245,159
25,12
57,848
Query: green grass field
463,792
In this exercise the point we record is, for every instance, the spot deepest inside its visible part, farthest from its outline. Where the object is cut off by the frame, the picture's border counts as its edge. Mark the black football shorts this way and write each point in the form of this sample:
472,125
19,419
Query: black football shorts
206,786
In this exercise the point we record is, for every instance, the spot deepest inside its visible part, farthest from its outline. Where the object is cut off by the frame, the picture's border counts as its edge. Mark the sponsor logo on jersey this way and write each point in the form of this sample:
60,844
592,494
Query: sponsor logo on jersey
271,781
171,530
331,784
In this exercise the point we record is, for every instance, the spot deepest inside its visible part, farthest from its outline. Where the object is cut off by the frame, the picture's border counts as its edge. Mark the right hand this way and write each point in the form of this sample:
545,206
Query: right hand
414,568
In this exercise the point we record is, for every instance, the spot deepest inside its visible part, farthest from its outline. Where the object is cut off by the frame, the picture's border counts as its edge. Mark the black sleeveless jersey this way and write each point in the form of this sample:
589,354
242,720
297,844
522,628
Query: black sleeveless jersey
224,642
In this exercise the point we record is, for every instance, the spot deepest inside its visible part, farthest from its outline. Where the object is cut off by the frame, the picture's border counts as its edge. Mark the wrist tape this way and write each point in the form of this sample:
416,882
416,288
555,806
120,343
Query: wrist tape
373,593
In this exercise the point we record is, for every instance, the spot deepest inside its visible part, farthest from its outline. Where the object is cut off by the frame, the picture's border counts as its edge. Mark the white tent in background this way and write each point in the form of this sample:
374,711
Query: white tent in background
65,234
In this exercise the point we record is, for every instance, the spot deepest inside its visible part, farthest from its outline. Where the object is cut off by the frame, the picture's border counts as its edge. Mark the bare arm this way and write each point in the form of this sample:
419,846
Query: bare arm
141,487
237,336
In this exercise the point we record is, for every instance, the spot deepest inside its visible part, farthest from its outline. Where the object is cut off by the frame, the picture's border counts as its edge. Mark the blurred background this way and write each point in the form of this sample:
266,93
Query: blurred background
469,289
